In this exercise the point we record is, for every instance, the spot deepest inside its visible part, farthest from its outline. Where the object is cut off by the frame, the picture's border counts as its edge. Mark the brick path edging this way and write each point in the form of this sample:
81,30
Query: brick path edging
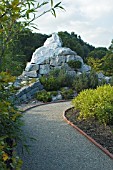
74,126
87,136
24,109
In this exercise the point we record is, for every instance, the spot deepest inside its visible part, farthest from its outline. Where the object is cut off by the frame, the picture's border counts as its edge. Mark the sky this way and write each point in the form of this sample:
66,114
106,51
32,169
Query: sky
91,19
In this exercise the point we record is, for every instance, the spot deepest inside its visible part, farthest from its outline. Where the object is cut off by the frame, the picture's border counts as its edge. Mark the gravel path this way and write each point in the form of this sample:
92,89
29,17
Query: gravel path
58,145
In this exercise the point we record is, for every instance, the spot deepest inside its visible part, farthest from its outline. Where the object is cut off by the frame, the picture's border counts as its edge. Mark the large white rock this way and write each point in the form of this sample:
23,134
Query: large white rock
31,67
44,69
41,54
53,42
107,79
52,55
100,75
66,67
85,68
79,58
57,61
70,57
30,74
63,51
51,49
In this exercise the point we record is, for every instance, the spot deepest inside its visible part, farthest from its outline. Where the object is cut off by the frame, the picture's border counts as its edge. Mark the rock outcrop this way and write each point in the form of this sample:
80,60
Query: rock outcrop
46,58
52,55
27,92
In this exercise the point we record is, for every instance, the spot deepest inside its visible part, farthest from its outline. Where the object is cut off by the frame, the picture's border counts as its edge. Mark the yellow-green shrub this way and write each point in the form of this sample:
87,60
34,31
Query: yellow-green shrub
96,104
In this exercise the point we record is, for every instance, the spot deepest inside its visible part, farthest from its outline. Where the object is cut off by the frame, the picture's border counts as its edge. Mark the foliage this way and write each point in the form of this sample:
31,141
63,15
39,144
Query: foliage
54,93
75,64
55,80
67,93
20,51
85,81
108,64
95,63
93,79
101,60
24,12
49,82
10,124
44,96
74,42
98,53
111,81
81,82
96,104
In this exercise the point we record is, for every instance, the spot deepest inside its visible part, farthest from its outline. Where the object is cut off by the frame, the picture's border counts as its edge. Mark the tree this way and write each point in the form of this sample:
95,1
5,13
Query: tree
108,64
95,63
86,51
74,42
24,11
79,50
20,51
98,53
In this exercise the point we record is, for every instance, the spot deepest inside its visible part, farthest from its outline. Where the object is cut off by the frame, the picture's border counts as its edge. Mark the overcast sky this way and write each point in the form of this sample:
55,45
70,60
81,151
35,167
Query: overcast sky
91,19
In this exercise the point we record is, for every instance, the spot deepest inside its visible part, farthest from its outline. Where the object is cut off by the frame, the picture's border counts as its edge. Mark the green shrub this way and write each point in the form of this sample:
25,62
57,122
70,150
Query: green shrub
96,104
75,64
67,93
10,125
54,93
50,83
93,79
56,79
81,82
111,81
44,96
102,82
86,81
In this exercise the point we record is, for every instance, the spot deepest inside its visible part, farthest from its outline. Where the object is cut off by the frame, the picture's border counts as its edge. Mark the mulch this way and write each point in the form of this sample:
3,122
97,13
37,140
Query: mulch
100,133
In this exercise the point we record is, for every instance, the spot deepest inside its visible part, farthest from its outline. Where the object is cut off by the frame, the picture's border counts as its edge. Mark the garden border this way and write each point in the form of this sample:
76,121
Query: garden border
87,136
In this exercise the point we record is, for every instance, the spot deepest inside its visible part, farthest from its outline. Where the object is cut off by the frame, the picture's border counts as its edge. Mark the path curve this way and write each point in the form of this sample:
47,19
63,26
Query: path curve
58,145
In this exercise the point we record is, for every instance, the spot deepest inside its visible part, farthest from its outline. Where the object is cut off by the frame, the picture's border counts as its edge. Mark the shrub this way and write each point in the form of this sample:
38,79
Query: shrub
54,93
96,104
81,82
56,79
111,81
44,96
67,93
93,79
75,64
50,82
85,81
10,125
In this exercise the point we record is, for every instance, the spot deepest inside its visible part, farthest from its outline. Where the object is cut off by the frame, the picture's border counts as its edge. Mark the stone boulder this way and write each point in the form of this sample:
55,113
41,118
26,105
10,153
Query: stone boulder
52,55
